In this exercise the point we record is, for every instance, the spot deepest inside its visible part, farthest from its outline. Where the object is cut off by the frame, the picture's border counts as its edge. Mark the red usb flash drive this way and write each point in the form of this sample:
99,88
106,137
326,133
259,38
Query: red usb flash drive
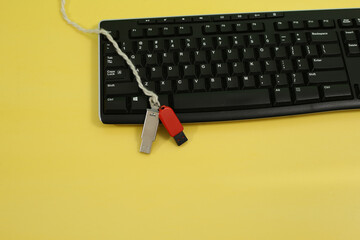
172,124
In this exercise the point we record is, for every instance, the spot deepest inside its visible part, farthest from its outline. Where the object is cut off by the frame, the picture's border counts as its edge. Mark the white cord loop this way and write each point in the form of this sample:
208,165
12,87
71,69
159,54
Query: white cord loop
153,98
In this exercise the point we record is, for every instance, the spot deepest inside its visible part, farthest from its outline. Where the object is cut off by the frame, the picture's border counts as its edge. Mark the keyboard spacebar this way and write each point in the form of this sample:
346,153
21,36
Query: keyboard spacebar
225,100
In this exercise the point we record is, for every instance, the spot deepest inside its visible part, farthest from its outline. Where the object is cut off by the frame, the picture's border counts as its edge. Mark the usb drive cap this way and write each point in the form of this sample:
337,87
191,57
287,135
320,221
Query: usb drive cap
172,124
148,135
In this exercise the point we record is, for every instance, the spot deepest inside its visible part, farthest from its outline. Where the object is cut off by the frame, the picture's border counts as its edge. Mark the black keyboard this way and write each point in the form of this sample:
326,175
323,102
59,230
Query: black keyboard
233,66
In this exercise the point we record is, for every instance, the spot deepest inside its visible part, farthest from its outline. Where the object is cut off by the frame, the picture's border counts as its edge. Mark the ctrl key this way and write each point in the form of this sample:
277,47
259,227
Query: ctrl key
115,105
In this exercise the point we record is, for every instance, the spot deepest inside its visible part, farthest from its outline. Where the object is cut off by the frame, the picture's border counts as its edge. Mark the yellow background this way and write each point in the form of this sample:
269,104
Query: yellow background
65,175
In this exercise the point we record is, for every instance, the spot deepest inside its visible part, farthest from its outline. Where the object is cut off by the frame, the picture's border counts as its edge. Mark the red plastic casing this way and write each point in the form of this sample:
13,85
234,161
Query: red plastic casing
170,120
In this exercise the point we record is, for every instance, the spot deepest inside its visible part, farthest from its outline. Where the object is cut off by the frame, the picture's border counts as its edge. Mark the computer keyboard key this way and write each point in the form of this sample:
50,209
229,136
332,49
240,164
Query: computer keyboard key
327,77
172,72
109,48
286,66
189,71
241,27
174,45
139,104
206,43
136,59
264,53
306,94
205,70
239,17
151,59
232,83
199,85
274,14
337,92
232,55
147,21
184,58
297,25
190,44
222,70
285,39
248,54
136,33
216,56
202,19
330,49
327,63
265,81
257,27
257,15
114,61
120,74
182,85
282,96
209,29
296,52
327,23
346,23
254,67
221,100
215,84
302,65
270,66
185,30
280,53
313,24
159,46
165,20
281,79
150,85
297,79
153,32
254,41
270,40
248,82
168,31
226,28
282,26
166,86
311,51
353,49
183,20
156,73
323,37
300,39
221,18
222,42
121,88
237,42
237,68
113,105
167,58
349,36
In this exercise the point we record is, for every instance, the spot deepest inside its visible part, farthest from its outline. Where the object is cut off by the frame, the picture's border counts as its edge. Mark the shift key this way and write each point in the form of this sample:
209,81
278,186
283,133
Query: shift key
327,63
327,77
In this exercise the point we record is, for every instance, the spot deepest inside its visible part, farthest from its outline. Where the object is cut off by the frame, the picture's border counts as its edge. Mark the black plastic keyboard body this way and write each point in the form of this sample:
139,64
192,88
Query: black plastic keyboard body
233,66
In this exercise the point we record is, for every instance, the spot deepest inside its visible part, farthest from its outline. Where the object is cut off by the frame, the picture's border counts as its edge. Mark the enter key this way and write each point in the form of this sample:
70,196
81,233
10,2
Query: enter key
327,63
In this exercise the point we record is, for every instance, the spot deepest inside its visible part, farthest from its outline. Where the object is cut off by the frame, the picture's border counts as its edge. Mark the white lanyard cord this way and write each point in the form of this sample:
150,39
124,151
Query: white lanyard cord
153,98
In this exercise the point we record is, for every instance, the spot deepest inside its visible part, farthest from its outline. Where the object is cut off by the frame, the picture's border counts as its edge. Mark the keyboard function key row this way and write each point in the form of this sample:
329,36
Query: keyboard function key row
216,18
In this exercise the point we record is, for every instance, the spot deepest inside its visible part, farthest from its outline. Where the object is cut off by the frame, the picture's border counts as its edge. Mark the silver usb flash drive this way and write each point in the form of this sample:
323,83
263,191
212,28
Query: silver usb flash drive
148,135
